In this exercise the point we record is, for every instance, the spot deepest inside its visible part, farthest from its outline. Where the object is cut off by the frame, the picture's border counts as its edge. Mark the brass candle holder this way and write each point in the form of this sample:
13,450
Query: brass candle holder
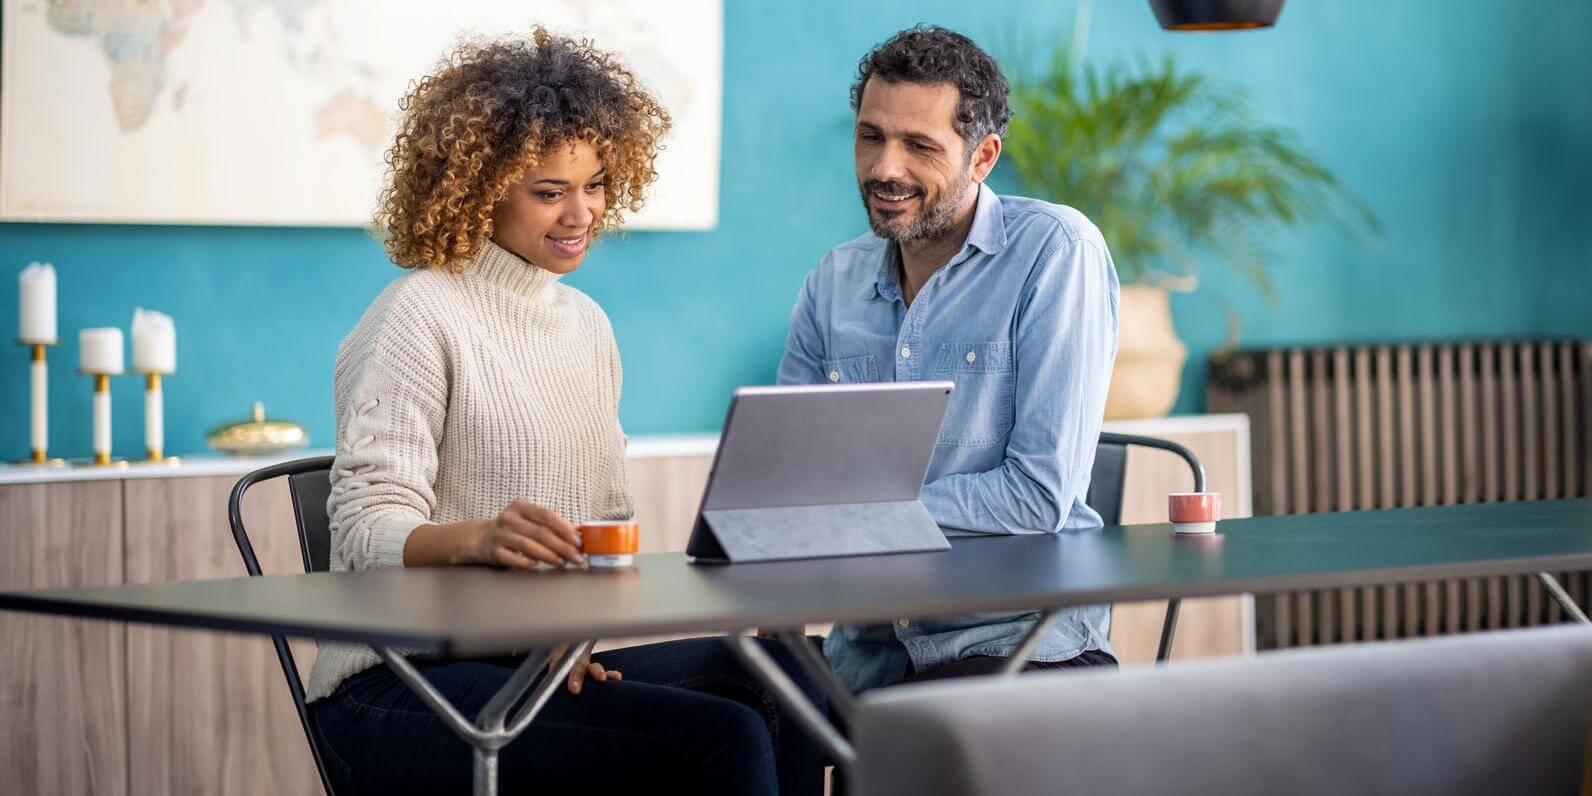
102,420
39,406
155,420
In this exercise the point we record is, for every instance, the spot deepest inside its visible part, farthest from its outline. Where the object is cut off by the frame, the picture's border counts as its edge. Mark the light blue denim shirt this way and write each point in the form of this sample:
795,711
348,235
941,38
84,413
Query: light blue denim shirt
1024,320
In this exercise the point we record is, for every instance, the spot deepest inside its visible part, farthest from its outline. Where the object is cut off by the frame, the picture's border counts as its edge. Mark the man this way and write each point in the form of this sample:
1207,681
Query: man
1013,299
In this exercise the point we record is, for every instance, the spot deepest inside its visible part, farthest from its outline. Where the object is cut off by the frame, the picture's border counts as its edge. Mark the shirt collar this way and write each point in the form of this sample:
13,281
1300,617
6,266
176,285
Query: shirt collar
887,284
988,235
989,224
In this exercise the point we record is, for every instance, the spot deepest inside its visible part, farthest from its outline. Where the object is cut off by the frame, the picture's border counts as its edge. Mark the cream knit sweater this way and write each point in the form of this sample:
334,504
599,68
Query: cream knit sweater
457,394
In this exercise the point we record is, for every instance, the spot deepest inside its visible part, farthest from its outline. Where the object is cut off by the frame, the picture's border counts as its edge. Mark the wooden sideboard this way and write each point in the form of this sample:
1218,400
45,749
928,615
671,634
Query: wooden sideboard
107,708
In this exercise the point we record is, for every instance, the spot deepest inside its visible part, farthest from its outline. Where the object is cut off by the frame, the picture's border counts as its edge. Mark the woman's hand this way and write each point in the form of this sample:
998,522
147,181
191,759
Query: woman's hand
586,667
519,536
523,534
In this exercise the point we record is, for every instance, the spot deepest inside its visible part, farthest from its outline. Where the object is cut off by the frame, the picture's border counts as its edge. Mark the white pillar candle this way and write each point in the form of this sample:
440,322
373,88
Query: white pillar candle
100,350
154,342
36,299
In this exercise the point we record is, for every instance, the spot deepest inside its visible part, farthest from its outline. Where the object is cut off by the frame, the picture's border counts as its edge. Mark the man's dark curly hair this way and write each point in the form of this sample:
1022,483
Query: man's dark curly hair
489,113
929,55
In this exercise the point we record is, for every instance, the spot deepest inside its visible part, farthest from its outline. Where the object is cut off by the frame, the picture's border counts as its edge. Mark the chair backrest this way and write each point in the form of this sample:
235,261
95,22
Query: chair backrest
1502,712
1107,479
309,491
309,484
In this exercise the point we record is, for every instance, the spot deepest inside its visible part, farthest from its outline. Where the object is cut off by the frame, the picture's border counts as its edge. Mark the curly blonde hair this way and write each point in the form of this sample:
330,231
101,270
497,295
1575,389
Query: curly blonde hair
492,109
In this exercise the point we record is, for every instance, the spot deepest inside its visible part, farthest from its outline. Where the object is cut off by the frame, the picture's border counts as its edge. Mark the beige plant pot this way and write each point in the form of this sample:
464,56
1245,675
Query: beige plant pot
1150,358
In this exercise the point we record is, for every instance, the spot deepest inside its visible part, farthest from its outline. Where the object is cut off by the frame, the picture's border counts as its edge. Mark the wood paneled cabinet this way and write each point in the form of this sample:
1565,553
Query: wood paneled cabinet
63,683
209,712
107,708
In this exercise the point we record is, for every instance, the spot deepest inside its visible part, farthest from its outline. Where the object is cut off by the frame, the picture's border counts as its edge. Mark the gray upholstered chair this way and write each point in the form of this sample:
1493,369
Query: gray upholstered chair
1500,712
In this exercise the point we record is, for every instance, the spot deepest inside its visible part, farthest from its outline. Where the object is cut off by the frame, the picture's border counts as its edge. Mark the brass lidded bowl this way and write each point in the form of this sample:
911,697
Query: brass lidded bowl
258,436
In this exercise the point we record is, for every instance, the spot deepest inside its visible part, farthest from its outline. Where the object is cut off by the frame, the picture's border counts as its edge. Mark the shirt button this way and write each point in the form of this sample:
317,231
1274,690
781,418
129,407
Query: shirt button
906,352
834,375
904,622
970,357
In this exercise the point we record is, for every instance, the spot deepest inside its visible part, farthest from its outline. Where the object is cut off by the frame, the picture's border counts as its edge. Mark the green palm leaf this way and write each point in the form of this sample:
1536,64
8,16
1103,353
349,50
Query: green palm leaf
1172,167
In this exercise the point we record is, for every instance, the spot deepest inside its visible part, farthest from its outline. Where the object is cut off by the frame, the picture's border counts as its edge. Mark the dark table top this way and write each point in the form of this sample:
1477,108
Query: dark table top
472,611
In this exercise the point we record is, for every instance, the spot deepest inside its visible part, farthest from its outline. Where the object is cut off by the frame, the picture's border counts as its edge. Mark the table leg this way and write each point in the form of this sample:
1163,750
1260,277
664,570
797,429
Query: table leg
1558,592
744,644
1167,628
488,733
841,700
1019,658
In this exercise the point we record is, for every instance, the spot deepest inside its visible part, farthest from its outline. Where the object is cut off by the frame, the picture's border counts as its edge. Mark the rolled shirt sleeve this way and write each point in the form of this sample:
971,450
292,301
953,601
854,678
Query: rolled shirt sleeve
1065,342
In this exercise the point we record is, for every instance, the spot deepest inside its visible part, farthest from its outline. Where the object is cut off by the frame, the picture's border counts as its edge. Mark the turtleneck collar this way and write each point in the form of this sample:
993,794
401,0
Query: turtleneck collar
504,268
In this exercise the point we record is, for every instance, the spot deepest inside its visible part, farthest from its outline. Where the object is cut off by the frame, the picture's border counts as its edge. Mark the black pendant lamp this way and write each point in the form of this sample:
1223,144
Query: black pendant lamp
1216,14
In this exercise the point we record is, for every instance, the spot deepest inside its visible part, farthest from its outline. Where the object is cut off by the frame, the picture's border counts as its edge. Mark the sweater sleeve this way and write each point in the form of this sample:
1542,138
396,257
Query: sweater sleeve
390,392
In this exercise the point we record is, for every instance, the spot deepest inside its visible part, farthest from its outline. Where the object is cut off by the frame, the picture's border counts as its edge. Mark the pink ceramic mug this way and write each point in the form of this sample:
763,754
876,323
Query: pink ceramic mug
1194,512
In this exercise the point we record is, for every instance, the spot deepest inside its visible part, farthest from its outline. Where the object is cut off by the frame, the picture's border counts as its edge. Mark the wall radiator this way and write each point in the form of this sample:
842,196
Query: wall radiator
1388,426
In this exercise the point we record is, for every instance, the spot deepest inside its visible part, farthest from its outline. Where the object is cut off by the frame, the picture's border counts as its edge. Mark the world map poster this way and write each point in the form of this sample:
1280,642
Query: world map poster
279,111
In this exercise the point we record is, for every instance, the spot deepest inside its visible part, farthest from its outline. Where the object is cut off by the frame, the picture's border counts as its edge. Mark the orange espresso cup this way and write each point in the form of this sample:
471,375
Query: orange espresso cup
1194,512
609,543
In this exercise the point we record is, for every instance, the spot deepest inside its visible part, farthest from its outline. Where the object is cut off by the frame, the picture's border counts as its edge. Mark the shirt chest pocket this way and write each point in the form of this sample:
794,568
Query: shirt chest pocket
852,369
984,404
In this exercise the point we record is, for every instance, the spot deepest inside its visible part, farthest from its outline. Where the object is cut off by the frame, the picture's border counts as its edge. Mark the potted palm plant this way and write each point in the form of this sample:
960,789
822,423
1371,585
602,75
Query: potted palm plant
1175,171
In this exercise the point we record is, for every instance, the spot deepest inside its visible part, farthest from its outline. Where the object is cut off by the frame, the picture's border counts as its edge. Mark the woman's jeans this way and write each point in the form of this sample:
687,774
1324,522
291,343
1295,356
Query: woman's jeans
686,718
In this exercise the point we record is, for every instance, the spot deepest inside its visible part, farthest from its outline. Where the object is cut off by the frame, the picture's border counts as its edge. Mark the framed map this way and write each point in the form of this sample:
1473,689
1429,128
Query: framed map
278,111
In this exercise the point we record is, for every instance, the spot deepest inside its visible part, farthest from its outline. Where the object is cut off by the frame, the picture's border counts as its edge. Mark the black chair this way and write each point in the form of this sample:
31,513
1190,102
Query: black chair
309,485
1106,482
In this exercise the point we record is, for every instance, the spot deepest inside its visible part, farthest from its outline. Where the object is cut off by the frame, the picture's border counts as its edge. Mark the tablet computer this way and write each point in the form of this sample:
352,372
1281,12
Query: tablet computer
822,470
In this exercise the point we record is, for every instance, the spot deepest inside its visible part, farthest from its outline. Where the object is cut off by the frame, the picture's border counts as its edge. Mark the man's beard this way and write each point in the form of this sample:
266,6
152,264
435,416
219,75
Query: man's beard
932,221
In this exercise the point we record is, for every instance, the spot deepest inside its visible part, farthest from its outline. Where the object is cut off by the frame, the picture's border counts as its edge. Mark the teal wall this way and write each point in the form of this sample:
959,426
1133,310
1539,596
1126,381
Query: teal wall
1466,125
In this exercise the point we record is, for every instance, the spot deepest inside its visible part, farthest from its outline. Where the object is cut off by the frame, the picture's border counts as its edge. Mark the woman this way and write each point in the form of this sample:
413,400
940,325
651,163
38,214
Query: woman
477,421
